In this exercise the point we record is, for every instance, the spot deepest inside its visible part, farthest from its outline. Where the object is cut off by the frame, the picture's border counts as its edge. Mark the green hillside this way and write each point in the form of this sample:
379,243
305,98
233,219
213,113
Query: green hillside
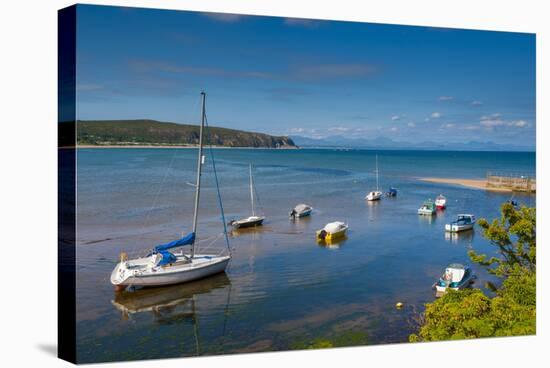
157,133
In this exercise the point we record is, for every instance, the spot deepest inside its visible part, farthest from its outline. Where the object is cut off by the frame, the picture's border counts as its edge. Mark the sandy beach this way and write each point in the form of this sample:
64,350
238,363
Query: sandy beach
470,183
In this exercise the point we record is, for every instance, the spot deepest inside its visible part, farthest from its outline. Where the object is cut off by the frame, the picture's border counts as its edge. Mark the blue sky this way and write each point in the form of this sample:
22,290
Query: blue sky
303,77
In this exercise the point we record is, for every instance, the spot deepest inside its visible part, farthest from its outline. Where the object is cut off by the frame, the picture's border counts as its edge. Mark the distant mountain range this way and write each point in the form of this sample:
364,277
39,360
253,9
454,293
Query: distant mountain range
382,143
157,133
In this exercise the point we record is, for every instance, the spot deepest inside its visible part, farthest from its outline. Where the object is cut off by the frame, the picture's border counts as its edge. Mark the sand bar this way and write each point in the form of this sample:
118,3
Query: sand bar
470,183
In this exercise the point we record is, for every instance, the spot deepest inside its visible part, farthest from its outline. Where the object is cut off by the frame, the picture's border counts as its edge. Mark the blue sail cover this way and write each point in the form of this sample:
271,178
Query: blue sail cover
186,240
167,258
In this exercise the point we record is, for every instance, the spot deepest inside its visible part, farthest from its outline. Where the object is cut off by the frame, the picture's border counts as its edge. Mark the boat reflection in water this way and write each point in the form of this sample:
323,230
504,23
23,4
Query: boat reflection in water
332,244
167,301
463,237
250,230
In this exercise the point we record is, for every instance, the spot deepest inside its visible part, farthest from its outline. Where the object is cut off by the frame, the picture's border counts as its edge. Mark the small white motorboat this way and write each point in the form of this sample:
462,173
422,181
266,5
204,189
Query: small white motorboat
332,231
301,210
456,276
428,208
250,221
462,223
163,266
375,195
441,202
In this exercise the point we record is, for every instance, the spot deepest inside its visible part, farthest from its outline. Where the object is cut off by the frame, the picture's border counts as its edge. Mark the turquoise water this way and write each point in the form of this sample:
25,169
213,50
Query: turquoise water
282,290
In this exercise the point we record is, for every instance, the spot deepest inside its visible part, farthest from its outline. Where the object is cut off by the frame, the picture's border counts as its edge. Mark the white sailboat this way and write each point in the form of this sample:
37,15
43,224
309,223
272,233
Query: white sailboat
250,221
165,267
375,195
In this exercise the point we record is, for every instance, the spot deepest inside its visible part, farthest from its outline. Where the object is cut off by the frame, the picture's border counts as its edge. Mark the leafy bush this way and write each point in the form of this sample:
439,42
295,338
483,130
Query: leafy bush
467,314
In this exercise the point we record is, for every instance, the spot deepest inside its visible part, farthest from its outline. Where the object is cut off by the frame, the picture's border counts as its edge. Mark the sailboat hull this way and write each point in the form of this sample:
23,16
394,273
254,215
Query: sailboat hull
248,222
202,266
374,196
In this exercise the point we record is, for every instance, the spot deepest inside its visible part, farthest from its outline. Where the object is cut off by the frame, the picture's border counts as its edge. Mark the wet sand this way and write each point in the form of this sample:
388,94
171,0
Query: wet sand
470,183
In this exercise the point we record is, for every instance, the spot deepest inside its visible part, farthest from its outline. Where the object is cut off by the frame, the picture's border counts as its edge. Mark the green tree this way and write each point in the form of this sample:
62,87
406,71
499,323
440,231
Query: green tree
515,236
469,313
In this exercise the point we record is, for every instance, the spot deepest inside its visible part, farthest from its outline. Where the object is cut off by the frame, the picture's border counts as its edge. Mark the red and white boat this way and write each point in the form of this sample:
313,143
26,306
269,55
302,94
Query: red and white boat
440,202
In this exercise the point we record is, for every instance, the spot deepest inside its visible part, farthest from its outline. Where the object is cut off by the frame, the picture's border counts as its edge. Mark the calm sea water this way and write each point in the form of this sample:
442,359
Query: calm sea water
282,290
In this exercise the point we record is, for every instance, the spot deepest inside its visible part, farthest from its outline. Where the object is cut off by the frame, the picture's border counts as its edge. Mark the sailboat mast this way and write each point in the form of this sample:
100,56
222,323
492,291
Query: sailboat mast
200,162
377,188
251,189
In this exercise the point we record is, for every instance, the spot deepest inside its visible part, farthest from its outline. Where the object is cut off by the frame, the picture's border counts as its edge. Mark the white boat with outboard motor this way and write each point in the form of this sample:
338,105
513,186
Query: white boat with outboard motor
332,231
427,208
162,265
301,210
456,276
462,223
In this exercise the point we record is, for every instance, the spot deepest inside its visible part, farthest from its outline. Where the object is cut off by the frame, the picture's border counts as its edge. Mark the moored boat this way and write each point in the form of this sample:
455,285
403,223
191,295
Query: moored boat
392,192
332,231
427,208
163,266
441,201
456,276
301,210
375,195
462,223
250,221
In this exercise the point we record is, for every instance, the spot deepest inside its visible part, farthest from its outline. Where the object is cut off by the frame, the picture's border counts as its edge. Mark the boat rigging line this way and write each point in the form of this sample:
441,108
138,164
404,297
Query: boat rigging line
220,203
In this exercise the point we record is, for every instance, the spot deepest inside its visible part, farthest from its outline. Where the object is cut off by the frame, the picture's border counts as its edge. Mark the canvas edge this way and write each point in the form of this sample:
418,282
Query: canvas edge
66,186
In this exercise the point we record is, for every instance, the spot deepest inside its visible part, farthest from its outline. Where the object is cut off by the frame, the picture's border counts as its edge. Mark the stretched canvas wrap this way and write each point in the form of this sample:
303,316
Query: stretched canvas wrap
234,184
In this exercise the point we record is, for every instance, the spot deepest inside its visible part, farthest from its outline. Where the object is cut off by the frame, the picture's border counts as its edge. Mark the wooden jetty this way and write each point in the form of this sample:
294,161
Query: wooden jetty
512,181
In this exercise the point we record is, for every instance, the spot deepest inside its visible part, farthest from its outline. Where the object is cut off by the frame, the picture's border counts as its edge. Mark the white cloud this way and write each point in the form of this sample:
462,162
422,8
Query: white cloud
448,126
297,130
489,123
477,103
339,129
445,98
394,129
224,17
411,125
308,23
435,115
519,123
395,117
494,120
